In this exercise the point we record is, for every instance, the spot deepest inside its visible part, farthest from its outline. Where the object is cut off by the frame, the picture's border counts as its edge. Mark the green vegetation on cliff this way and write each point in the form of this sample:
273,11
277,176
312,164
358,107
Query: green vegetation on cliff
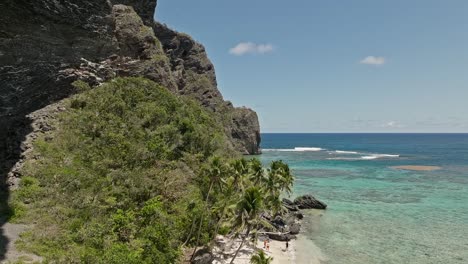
132,174
117,175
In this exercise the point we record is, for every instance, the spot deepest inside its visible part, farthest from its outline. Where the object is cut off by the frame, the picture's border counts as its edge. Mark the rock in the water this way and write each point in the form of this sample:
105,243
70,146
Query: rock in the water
309,202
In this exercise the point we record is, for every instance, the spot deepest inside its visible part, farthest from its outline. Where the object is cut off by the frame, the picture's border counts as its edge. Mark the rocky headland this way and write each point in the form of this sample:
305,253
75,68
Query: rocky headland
46,45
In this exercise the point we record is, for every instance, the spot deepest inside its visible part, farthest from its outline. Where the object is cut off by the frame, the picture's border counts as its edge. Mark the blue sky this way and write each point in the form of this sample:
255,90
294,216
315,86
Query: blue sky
336,66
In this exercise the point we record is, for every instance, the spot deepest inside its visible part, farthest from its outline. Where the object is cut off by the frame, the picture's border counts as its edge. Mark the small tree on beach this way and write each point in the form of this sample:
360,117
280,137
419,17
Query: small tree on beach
248,213
261,258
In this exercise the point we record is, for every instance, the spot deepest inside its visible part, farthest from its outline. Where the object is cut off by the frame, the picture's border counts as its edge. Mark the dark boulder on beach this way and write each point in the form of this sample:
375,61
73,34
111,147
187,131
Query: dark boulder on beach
299,215
278,221
281,236
309,202
203,256
288,204
295,228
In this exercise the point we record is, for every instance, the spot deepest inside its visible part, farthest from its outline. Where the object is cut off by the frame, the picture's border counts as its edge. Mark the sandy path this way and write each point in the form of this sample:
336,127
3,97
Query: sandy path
12,233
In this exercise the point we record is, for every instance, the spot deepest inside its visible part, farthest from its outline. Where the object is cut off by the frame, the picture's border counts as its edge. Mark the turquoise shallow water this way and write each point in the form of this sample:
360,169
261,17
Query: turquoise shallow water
378,214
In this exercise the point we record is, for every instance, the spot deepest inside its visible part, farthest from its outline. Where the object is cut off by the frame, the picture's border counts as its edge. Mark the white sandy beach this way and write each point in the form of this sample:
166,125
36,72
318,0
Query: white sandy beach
310,254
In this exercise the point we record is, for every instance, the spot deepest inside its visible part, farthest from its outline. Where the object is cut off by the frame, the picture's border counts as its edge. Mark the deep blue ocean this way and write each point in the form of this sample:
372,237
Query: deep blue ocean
377,213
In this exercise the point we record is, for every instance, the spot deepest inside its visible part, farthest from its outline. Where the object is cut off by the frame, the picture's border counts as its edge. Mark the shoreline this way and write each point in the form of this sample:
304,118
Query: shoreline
300,251
279,253
284,227
225,249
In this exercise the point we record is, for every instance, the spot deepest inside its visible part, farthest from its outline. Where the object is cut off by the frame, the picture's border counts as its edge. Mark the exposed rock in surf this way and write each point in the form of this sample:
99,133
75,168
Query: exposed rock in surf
288,204
309,202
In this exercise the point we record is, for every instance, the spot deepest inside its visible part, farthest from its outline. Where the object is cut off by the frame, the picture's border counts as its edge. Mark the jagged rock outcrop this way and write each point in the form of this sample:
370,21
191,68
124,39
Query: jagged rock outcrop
46,45
144,8
309,202
195,77
290,205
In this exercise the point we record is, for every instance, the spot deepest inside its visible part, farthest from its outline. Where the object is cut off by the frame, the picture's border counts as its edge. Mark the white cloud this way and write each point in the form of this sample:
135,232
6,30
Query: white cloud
250,48
392,124
373,60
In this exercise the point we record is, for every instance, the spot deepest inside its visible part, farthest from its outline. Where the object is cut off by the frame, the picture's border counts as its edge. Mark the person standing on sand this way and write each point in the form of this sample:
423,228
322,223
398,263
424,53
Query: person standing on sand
287,244
264,243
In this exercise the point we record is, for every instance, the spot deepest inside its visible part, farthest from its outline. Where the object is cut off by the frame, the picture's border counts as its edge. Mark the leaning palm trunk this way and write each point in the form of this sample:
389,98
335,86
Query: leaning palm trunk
190,233
241,244
201,220
218,224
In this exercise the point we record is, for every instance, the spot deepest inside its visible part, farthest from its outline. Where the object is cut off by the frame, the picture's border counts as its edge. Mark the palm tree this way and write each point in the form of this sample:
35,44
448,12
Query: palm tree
257,173
190,208
215,173
225,202
239,169
282,175
261,258
275,204
248,212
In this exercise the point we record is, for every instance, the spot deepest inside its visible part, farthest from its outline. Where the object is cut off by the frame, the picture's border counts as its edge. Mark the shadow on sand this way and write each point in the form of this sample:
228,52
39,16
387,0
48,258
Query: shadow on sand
12,133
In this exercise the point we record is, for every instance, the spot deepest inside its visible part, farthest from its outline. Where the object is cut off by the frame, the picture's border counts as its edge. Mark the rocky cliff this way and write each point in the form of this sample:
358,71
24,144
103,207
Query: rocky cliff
46,45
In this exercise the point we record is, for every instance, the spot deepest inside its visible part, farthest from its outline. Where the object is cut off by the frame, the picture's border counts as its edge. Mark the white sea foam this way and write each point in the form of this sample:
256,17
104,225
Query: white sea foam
379,156
307,149
296,149
286,150
367,157
346,152
343,158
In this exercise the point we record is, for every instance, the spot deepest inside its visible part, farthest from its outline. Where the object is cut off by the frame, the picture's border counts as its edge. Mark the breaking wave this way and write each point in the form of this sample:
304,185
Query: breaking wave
368,157
379,156
346,152
296,149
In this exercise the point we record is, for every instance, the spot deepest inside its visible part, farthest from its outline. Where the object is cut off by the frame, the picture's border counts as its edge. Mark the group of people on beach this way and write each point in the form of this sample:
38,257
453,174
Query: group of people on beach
266,244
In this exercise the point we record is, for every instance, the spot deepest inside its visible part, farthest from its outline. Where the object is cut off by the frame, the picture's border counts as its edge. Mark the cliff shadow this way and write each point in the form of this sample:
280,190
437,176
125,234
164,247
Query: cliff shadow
12,132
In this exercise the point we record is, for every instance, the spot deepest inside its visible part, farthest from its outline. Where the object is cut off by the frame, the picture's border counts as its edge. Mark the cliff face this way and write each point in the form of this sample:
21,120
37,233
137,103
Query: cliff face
195,77
45,45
